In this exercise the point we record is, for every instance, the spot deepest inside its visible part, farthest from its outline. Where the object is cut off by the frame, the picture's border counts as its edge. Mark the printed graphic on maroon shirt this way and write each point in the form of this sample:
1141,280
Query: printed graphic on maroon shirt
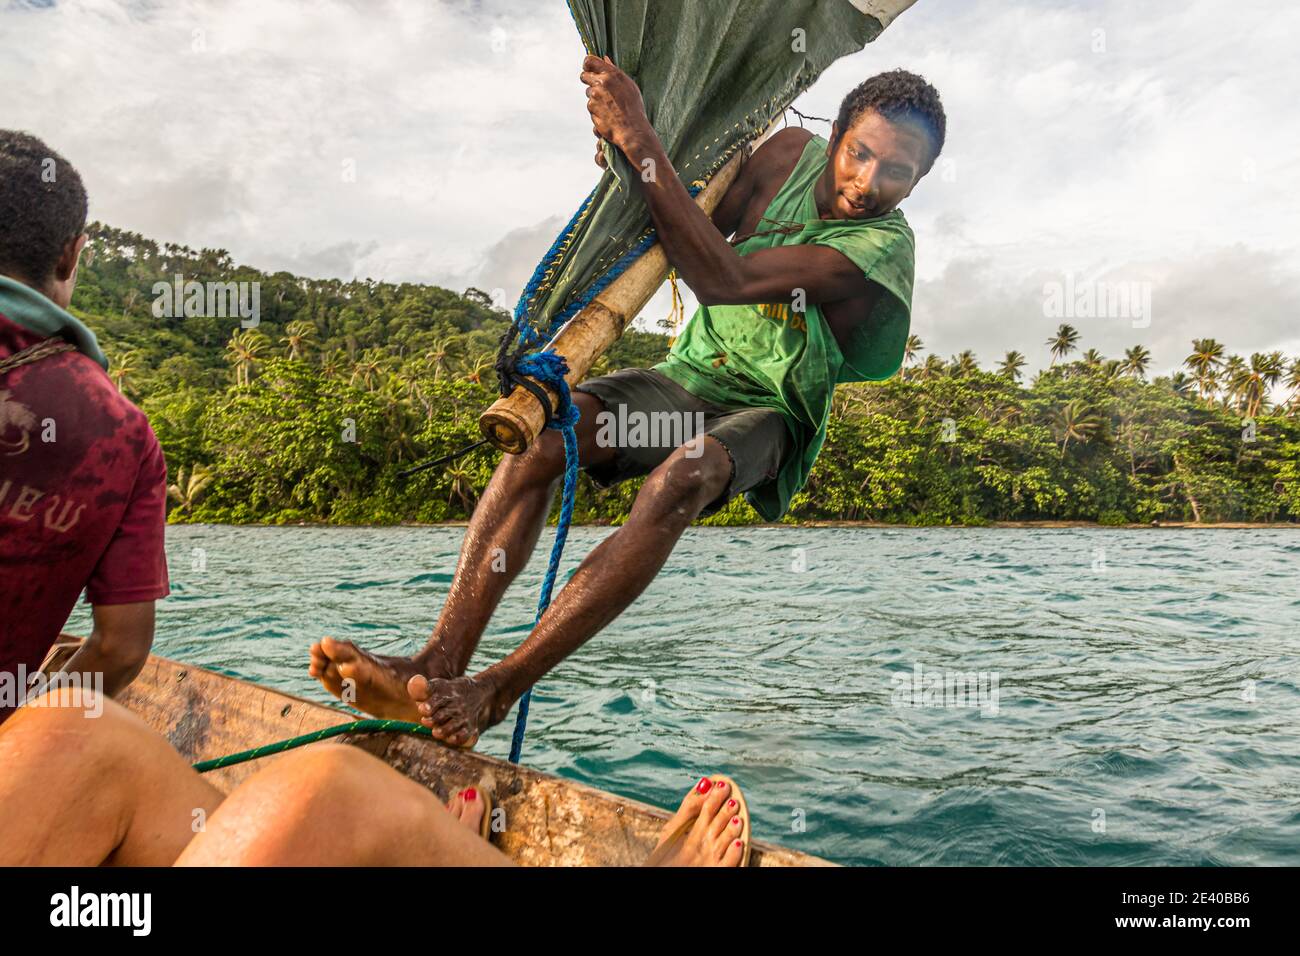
83,497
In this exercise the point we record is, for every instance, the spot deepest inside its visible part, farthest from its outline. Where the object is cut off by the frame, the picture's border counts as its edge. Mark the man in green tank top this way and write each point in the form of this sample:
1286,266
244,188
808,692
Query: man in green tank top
813,289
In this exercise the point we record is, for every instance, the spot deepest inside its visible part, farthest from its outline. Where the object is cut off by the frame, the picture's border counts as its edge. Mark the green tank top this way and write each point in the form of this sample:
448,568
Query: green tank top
768,355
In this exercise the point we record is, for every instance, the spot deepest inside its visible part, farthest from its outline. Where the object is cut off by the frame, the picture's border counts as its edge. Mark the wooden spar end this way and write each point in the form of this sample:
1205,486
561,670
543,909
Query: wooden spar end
513,423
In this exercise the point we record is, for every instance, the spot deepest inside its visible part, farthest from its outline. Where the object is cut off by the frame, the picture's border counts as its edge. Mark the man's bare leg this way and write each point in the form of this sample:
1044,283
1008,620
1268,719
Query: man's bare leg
81,790
336,805
610,578
502,533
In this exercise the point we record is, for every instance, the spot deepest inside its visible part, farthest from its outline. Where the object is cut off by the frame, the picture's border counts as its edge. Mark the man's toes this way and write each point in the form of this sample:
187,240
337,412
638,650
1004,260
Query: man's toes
438,709
340,652
419,687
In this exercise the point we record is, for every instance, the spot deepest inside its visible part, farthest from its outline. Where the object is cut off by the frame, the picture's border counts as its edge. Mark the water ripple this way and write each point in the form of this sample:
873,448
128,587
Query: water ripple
1147,699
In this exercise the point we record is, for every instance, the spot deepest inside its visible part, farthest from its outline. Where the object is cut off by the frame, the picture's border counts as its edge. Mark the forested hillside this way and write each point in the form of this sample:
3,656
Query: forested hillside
310,415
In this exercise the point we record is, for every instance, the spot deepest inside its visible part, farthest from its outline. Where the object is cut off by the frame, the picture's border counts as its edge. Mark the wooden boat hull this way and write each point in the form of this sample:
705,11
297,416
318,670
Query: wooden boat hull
549,821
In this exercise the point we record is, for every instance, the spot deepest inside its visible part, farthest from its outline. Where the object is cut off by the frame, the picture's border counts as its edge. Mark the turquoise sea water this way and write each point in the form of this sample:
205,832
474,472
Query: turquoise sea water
1139,702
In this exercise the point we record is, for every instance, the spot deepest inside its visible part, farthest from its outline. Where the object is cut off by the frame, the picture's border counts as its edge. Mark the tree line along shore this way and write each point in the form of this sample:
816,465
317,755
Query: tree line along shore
309,416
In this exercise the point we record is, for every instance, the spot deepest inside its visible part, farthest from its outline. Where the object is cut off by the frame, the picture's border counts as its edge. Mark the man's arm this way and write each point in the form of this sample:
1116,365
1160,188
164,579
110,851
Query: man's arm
694,245
118,644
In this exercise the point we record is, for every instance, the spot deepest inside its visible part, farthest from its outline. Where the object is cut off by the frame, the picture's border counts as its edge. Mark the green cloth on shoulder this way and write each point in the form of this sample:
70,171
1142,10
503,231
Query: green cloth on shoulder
768,355
23,305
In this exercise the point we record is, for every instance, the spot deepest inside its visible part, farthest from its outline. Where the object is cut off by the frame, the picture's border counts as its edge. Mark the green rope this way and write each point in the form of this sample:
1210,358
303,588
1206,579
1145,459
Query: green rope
356,727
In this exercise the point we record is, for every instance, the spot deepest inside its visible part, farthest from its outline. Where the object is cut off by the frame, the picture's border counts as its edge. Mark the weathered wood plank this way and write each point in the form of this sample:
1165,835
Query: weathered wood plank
549,821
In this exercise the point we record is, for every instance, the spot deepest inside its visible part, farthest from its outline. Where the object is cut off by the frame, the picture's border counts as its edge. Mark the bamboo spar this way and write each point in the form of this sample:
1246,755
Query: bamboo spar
512,423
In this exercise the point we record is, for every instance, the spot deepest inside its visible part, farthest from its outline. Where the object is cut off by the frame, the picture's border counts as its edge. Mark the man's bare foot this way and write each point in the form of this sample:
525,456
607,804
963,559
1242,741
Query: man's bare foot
378,681
456,710
715,837
467,807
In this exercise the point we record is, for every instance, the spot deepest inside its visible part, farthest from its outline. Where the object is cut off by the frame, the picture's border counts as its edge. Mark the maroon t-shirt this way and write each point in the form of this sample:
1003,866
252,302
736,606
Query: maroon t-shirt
83,498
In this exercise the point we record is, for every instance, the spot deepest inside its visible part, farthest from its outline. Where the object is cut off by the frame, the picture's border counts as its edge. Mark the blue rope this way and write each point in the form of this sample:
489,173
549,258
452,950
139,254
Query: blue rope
549,368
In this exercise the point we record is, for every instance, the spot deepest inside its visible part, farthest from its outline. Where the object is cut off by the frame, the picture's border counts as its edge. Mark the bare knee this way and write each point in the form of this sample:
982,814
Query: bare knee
683,485
72,723
325,804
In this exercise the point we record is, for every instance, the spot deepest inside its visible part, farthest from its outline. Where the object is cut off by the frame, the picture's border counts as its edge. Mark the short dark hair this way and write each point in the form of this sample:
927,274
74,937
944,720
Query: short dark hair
42,206
899,96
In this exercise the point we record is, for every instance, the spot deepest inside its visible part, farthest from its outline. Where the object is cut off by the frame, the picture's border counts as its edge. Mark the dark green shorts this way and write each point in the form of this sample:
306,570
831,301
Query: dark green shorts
756,439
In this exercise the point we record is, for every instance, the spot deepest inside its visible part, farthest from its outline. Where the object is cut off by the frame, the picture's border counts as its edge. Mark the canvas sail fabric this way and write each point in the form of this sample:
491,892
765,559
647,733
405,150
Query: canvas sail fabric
713,75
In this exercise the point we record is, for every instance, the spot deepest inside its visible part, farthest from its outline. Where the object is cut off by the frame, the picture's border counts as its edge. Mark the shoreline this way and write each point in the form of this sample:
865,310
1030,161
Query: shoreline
1048,525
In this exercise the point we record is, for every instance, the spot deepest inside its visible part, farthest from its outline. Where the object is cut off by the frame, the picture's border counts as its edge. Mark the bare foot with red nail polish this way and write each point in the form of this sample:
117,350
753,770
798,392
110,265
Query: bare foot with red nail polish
467,807
714,839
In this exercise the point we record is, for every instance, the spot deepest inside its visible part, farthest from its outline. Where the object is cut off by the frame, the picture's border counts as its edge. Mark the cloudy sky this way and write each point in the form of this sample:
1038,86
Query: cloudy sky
1090,143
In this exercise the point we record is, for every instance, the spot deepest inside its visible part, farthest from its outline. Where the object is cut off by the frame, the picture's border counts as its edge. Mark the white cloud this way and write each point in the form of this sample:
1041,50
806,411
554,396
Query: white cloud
1159,149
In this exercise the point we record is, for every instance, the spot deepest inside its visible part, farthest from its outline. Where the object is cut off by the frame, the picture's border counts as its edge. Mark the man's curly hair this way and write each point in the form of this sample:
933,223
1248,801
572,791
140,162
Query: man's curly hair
900,97
42,206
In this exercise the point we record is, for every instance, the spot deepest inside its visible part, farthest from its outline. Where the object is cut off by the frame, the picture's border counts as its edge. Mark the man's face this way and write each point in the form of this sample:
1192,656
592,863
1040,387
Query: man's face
873,167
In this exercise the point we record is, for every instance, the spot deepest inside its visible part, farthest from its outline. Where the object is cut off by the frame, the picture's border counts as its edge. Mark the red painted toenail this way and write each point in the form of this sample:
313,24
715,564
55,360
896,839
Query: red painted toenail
735,821
740,844
722,785
471,794
730,804
705,785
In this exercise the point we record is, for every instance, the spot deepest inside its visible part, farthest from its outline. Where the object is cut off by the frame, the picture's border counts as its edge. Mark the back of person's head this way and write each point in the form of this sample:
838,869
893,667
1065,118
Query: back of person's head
43,208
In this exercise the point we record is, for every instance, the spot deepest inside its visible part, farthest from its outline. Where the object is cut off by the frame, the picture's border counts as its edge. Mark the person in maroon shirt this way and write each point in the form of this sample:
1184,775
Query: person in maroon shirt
83,484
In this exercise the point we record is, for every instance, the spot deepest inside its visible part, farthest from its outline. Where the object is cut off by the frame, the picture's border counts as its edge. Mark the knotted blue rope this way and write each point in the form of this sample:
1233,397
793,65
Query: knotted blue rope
549,368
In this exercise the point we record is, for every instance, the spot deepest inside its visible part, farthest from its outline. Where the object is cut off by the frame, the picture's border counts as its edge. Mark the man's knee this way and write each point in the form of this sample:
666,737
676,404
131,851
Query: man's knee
689,479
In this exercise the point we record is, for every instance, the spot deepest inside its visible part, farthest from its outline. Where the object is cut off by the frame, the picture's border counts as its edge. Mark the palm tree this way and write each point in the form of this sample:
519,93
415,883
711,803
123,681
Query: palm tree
1251,384
1074,421
368,369
189,487
244,351
1092,358
1011,365
333,363
483,364
965,364
1232,375
1293,383
1182,384
1136,361
913,349
123,369
933,367
438,356
297,336
1205,360
462,486
1063,342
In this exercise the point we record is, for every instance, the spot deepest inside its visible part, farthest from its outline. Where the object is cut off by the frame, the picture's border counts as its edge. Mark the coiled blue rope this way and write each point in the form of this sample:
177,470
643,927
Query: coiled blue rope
549,368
